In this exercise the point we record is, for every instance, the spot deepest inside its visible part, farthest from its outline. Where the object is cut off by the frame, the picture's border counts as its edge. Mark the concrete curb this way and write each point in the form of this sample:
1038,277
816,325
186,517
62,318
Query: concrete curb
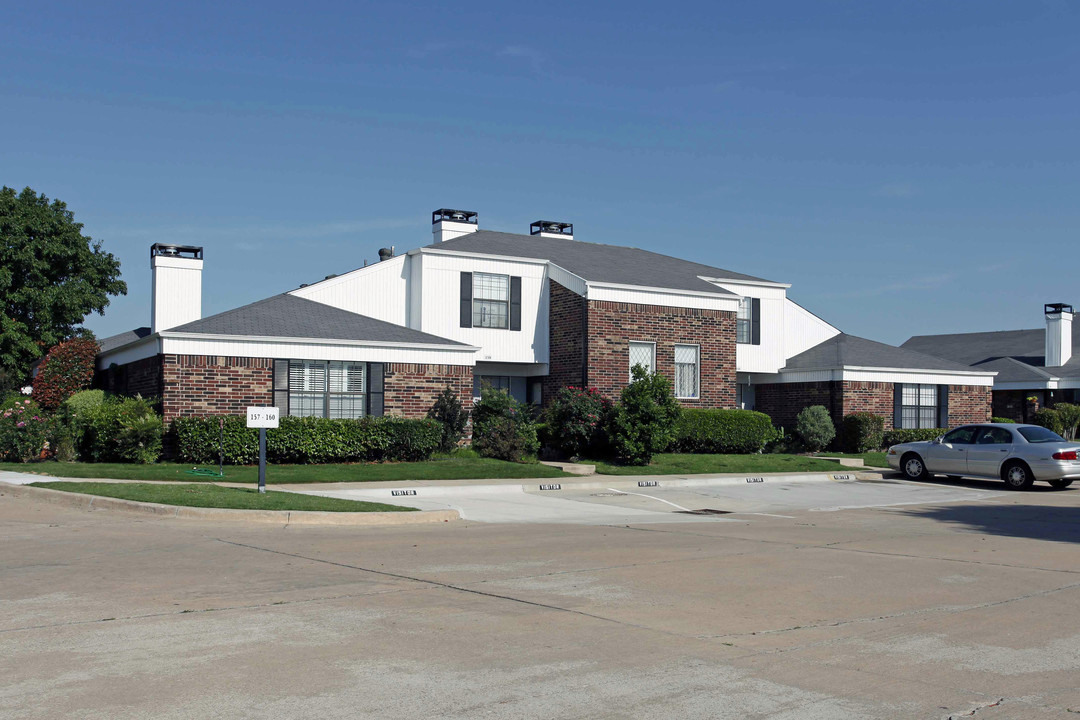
83,501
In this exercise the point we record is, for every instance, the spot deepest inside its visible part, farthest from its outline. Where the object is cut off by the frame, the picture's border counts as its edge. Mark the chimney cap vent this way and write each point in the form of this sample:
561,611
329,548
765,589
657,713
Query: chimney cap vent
552,228
1057,308
168,250
461,216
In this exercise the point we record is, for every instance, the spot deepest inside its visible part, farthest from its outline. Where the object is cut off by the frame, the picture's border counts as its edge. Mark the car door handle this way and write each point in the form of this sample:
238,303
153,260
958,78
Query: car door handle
1004,450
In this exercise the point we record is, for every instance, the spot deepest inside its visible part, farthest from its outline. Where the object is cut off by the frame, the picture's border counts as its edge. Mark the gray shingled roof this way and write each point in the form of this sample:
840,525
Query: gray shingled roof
125,338
1012,370
597,262
845,350
1027,347
290,316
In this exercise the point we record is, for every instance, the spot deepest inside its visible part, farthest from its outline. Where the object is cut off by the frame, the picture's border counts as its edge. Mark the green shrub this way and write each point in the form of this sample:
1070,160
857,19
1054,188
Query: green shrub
1002,420
643,423
862,432
815,428
576,422
308,440
503,428
122,429
447,410
85,401
67,368
1050,419
24,429
898,436
723,431
1070,419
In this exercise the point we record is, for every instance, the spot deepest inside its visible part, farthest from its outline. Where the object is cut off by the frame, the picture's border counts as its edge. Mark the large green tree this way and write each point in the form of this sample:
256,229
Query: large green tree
51,277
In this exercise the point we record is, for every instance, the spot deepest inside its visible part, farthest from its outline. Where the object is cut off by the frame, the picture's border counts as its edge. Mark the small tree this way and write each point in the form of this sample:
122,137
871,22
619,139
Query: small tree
67,369
863,432
1070,419
503,428
1050,419
643,423
815,428
576,421
448,411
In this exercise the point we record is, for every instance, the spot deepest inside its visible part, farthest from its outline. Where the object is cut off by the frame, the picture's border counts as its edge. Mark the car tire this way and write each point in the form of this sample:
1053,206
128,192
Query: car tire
1017,475
1060,484
913,467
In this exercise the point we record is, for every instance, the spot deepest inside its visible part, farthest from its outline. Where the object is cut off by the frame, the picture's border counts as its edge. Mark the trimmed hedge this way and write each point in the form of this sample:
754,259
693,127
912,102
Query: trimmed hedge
1050,419
895,437
862,432
723,431
121,429
307,440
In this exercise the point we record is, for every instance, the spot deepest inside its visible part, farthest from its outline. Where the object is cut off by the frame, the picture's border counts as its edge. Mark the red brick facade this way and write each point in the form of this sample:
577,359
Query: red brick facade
783,401
142,377
566,340
611,326
411,389
215,385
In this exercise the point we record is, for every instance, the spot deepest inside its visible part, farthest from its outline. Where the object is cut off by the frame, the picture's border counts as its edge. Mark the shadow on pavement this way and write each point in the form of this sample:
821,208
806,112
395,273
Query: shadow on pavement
1037,522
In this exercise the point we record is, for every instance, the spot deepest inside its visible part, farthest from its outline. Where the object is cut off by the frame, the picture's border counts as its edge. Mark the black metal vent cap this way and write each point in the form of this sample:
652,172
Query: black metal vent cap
461,216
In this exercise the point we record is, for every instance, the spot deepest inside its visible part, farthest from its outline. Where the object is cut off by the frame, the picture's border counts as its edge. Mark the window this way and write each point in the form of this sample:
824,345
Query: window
644,354
320,388
686,371
491,300
918,406
995,436
494,382
742,321
960,436
1039,435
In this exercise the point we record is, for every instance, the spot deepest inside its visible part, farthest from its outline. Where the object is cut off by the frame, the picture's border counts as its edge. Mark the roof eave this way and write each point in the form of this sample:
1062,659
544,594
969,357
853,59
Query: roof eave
277,339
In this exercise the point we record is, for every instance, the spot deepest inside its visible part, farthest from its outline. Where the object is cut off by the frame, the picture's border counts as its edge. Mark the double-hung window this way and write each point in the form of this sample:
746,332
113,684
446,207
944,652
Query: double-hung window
320,388
918,406
748,321
686,371
644,354
491,300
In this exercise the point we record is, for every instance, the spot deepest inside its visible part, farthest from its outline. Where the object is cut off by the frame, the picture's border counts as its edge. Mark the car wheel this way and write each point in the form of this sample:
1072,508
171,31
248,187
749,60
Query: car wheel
1060,484
1018,476
913,467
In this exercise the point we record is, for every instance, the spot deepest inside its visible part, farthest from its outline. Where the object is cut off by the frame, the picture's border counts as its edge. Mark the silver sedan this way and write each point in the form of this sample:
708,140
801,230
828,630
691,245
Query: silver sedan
1017,454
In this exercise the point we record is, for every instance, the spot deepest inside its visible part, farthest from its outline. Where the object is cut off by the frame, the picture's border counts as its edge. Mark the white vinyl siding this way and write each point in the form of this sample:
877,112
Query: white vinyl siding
918,406
686,371
334,389
491,300
644,354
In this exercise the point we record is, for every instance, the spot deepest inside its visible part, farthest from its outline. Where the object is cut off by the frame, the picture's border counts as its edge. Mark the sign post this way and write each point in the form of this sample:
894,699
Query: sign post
262,418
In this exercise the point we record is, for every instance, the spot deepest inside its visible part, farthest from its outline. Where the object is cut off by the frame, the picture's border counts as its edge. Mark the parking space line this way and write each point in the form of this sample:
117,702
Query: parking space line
624,492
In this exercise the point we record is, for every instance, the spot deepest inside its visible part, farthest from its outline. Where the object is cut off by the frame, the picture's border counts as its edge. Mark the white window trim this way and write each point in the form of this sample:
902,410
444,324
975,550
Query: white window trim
630,368
474,299
697,369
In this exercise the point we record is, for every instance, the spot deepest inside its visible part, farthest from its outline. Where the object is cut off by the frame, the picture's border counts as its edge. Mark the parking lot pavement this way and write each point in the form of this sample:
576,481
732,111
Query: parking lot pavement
932,610
620,501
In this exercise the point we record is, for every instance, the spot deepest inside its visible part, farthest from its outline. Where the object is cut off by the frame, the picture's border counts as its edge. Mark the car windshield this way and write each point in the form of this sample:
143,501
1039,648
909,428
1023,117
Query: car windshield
1039,435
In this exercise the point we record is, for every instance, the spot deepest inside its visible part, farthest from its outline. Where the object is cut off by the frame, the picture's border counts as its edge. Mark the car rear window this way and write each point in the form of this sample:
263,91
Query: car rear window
1039,435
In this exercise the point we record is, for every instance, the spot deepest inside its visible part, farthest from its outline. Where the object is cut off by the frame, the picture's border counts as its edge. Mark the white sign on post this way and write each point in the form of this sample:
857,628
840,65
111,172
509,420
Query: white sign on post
262,417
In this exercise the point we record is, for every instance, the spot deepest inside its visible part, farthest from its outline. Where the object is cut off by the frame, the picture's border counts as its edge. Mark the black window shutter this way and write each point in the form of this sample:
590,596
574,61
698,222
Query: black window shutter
515,303
281,386
466,299
898,404
376,389
943,405
755,321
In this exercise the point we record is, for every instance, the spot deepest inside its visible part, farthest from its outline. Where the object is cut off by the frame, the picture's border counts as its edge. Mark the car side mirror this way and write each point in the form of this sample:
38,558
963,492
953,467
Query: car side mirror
938,440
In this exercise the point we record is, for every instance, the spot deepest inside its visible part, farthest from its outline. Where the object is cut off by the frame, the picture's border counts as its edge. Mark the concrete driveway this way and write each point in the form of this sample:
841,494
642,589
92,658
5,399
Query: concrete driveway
934,610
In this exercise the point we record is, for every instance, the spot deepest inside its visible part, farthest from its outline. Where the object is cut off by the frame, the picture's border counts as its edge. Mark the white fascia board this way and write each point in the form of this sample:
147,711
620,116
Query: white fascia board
486,367
664,290
758,283
1037,385
345,277
479,256
889,375
316,341
574,283
973,373
130,352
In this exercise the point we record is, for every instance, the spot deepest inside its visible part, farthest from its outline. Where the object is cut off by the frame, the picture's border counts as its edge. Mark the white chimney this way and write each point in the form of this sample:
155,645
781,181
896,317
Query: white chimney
448,224
1059,319
176,296
550,229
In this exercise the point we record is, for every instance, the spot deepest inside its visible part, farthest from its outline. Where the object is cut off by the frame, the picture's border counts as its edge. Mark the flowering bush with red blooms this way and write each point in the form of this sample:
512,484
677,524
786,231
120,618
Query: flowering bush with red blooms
67,369
23,430
576,422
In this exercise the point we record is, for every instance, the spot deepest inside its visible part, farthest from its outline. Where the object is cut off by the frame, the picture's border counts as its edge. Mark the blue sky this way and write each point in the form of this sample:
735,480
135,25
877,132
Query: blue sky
910,167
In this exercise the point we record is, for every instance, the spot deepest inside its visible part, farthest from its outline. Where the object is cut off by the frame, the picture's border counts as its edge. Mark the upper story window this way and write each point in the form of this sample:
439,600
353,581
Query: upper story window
686,371
489,300
644,354
748,321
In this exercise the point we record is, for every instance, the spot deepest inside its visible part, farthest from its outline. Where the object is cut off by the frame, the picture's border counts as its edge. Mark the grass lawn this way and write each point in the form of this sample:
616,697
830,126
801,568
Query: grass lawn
445,468
870,459
686,464
212,496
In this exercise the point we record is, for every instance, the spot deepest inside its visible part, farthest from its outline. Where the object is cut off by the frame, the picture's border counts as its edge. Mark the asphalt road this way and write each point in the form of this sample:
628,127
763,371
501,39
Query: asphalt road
930,610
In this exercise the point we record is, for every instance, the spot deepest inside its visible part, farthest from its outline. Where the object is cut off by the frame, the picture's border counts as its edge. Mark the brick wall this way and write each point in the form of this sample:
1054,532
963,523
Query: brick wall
215,385
969,404
783,401
566,340
411,389
872,397
141,377
611,326
1010,404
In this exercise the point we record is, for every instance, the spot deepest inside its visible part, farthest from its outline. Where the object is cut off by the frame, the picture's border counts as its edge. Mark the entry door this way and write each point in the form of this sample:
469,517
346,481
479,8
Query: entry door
949,457
989,451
